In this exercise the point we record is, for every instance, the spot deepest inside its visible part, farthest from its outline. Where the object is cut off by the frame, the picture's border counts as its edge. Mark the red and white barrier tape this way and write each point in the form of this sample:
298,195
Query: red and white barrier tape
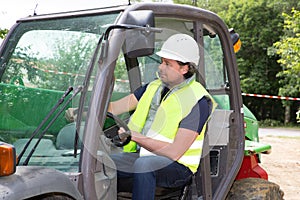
57,72
71,74
272,97
126,81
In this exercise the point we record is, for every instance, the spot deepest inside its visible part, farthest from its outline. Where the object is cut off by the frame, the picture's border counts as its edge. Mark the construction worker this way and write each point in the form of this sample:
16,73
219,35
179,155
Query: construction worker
168,123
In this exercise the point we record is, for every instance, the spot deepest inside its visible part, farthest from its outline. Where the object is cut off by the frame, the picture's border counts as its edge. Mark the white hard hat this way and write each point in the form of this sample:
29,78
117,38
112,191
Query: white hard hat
180,47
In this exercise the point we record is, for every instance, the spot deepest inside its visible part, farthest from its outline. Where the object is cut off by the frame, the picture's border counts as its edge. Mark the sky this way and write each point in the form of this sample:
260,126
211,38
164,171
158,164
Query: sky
12,10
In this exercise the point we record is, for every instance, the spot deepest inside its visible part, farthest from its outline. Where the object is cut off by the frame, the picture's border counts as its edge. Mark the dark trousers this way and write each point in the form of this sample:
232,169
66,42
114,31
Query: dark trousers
147,172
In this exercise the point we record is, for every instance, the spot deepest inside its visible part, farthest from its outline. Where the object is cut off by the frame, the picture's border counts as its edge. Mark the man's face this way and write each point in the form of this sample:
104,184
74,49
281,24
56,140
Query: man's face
171,73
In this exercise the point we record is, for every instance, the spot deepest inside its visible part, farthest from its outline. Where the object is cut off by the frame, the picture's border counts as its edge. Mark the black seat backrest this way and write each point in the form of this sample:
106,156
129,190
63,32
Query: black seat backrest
66,137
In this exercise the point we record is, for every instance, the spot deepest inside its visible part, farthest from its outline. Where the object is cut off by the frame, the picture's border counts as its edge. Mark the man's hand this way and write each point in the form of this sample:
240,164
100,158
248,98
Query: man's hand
71,114
122,138
123,134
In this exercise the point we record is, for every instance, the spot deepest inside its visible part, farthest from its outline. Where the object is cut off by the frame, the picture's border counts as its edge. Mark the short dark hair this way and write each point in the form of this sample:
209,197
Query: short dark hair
191,71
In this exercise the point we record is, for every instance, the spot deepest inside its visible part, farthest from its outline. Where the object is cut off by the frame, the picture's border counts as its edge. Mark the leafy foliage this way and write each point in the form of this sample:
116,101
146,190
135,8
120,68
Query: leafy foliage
260,23
3,33
213,5
20,62
288,48
257,32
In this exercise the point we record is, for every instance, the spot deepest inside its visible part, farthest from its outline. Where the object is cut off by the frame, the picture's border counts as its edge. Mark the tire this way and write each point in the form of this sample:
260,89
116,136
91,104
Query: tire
254,189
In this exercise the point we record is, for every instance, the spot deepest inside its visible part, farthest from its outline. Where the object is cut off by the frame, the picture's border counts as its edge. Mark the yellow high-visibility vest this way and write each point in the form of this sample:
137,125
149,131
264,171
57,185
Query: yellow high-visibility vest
172,109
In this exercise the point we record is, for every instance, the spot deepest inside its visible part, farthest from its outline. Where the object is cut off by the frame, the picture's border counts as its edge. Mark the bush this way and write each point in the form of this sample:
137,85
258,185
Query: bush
270,123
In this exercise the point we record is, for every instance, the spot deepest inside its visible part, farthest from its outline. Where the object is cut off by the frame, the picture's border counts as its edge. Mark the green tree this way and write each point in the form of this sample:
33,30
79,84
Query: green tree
3,33
187,2
259,24
288,48
213,5
257,32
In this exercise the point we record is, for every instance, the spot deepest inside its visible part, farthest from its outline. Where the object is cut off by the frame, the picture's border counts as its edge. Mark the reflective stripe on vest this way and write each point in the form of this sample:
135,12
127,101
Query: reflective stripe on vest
171,111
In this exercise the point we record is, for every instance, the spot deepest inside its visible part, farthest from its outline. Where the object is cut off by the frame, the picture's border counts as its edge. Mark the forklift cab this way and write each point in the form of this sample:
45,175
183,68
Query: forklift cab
223,145
86,59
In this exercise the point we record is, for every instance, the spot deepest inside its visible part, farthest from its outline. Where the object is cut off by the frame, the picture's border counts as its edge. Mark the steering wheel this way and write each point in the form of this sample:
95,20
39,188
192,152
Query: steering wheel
122,139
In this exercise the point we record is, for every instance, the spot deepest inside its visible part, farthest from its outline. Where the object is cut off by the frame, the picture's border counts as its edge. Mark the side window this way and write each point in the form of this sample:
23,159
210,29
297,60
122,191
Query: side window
215,70
121,84
215,73
149,67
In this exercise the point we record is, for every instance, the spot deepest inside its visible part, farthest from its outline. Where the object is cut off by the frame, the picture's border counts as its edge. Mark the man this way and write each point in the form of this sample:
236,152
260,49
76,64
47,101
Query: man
168,123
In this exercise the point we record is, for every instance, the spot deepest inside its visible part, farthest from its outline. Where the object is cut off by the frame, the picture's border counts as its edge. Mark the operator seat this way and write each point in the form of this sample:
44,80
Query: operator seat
161,193
66,137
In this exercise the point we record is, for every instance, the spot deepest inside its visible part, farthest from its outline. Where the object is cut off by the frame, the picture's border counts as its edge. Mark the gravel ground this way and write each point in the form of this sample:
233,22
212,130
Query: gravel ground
283,164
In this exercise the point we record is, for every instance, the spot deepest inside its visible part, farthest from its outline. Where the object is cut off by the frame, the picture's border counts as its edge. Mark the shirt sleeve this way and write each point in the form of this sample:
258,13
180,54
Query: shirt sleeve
196,119
138,93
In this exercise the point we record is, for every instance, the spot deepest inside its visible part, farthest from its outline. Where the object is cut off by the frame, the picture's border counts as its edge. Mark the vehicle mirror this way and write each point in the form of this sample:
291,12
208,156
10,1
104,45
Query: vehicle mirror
139,42
7,159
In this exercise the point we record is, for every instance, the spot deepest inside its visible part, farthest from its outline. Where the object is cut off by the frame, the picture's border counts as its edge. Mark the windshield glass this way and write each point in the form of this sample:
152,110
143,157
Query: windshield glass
40,62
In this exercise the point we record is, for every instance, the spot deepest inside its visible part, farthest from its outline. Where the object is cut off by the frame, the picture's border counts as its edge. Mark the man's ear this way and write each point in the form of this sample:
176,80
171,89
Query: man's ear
184,69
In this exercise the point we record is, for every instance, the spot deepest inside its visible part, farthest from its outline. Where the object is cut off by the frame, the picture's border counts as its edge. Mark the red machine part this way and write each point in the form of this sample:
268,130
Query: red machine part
250,168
